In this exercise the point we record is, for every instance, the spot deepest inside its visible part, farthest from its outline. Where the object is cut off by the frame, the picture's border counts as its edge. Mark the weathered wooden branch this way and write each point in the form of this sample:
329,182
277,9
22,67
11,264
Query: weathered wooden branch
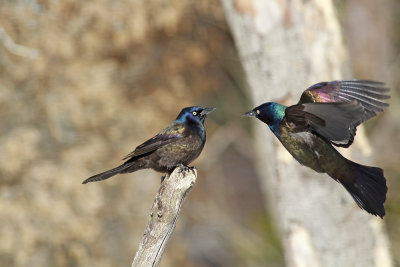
284,47
163,216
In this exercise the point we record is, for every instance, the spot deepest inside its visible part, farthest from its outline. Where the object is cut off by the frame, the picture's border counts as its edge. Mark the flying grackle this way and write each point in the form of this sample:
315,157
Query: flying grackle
178,144
328,114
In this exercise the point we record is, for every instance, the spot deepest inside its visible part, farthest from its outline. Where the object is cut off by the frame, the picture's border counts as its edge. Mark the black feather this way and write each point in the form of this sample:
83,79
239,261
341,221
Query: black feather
369,94
368,188
336,122
178,144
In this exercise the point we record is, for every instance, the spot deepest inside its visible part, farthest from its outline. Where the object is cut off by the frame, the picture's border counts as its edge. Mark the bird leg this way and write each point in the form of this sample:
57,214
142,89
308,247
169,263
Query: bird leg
184,168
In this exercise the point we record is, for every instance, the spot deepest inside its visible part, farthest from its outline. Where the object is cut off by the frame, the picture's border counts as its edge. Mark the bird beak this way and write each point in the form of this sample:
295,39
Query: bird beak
250,113
206,111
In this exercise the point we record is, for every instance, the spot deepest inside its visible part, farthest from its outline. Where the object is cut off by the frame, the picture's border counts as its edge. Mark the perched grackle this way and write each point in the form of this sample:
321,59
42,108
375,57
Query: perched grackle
328,114
178,144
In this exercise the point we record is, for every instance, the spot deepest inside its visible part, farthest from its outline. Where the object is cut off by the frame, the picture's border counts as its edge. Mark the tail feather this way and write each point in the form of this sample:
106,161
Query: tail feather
368,188
107,174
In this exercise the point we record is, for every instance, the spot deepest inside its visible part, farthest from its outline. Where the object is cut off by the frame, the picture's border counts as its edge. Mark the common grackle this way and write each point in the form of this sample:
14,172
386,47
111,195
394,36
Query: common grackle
328,114
178,144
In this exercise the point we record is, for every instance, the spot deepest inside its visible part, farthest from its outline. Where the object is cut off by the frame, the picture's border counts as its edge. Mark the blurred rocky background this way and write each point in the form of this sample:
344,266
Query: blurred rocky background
84,82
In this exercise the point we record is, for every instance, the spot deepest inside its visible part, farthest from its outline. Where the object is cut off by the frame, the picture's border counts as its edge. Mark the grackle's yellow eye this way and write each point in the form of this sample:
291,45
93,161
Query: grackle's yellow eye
257,111
194,113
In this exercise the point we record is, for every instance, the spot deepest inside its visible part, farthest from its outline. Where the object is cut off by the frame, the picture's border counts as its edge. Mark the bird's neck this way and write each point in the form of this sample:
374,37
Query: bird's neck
195,125
276,114
275,128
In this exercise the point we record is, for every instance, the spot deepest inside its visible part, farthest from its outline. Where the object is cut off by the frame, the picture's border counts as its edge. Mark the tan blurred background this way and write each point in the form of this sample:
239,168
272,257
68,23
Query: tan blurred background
84,82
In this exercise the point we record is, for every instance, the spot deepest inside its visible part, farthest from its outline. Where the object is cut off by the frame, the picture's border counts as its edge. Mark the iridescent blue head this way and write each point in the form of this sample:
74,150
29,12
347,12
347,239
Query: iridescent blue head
270,113
193,114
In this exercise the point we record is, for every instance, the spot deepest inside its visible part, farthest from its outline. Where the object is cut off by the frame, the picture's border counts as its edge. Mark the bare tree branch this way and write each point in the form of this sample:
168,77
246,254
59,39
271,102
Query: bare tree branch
17,49
163,216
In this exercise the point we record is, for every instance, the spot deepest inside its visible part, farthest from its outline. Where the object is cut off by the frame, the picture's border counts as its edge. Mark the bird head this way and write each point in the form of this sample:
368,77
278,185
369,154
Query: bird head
268,113
196,114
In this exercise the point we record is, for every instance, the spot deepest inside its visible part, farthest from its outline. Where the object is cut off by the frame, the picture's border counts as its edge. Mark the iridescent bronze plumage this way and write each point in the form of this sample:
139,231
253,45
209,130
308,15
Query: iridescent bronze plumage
327,114
178,144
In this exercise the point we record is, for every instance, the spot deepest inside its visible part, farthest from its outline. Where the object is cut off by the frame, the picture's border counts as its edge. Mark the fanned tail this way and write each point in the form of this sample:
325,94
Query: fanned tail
367,187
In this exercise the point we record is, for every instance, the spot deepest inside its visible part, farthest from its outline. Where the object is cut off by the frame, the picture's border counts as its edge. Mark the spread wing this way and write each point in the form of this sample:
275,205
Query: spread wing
169,135
335,122
369,94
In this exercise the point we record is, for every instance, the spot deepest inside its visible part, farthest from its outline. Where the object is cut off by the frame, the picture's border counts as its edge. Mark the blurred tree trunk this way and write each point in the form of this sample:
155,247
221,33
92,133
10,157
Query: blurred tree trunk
286,46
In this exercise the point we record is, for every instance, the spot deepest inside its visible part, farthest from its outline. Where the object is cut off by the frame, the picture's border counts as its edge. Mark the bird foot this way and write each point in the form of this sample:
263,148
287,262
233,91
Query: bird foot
184,168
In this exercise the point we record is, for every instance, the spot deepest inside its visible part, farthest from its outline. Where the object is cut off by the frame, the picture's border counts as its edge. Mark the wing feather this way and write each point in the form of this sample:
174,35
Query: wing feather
169,135
335,122
370,95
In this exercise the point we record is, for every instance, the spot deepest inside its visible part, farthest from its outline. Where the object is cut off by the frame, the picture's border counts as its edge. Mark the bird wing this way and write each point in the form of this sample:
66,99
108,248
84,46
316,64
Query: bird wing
335,122
169,135
369,94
